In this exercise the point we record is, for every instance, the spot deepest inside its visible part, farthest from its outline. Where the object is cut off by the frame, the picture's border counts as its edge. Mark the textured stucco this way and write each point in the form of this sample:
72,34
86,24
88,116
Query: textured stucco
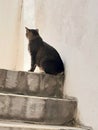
71,27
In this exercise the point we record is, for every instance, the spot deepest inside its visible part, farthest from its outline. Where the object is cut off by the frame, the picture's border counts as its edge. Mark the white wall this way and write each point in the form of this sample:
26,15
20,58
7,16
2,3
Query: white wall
29,21
11,39
72,28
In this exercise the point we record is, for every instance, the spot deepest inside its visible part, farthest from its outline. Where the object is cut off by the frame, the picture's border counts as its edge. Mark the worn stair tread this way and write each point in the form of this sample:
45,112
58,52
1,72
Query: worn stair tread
33,109
27,126
38,84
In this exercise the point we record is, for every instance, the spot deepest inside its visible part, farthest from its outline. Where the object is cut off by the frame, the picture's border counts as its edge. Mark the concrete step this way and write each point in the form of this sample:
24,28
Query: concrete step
35,84
6,125
39,110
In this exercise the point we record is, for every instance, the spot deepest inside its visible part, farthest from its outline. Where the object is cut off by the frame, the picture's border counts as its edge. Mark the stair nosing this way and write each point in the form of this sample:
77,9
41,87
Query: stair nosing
27,96
27,125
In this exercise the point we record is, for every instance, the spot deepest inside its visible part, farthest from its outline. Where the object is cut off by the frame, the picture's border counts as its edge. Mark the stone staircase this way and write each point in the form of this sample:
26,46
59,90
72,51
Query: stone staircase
31,101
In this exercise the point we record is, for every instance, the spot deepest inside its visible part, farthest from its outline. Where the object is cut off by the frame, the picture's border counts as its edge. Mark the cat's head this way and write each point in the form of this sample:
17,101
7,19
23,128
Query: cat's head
31,33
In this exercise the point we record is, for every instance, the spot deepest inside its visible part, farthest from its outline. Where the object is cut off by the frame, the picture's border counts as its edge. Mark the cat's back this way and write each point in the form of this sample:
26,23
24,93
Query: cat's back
50,50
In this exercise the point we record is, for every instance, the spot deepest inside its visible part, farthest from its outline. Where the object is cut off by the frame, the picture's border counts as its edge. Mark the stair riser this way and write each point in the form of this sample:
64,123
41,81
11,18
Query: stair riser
39,110
31,83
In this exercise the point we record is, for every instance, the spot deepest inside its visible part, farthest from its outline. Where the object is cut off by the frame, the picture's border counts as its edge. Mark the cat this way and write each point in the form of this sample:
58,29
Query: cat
42,54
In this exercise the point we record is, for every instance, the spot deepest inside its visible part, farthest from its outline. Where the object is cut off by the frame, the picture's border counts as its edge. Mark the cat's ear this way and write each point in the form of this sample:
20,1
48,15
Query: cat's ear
37,30
27,29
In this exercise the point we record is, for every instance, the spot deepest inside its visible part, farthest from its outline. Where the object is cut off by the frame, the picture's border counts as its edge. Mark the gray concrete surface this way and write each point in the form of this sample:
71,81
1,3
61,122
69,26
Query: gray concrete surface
25,126
39,84
37,109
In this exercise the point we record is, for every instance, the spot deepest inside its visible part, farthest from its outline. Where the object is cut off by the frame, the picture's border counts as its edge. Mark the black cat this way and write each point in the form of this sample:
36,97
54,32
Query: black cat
42,54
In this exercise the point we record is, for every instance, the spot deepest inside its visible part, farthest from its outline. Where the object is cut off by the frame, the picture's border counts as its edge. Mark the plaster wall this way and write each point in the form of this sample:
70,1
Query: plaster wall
11,38
29,21
72,28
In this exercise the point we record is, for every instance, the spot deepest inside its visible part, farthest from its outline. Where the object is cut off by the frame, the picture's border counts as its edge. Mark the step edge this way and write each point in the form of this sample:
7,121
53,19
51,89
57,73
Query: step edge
27,125
38,97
